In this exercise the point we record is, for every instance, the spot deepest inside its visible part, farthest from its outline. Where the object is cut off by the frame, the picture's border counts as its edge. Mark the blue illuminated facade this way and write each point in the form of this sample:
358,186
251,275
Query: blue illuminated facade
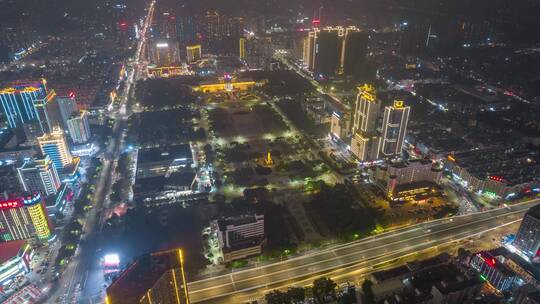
19,101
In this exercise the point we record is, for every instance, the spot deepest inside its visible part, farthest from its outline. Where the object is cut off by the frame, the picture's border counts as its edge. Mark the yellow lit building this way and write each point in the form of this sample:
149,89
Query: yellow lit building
242,48
164,72
226,85
341,47
157,277
193,53
394,128
24,217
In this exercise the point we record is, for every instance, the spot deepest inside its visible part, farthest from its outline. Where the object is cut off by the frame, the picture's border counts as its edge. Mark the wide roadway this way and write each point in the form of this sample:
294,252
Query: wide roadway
357,254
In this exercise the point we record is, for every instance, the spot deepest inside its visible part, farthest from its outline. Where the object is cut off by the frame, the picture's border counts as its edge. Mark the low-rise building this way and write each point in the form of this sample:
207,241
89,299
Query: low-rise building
158,188
226,84
496,171
152,162
240,236
411,180
494,271
435,280
15,259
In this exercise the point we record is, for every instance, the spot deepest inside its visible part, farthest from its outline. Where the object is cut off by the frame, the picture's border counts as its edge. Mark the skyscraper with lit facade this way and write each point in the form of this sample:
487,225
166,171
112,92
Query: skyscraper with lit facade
19,99
394,128
55,146
24,217
48,112
164,52
39,176
366,110
67,105
366,140
171,287
157,277
335,50
78,127
528,236
193,53
376,134
354,51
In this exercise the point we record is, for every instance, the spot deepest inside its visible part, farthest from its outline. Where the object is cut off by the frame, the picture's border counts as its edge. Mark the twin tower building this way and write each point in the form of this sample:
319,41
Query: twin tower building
376,131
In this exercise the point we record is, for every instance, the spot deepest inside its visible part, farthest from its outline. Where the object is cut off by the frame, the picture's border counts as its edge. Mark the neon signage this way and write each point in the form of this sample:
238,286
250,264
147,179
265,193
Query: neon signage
496,178
20,202
10,204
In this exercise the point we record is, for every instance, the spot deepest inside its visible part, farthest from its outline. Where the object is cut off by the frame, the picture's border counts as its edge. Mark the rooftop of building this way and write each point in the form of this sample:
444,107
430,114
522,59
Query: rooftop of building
513,165
179,179
446,278
9,250
493,262
409,163
534,211
416,185
168,153
438,139
532,268
411,267
238,220
159,183
141,275
55,199
240,244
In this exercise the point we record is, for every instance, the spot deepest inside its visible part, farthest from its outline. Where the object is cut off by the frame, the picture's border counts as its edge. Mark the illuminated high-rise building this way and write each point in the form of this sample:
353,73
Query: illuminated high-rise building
375,133
39,176
164,52
256,52
48,111
157,277
78,127
335,50
171,287
193,53
24,217
55,146
233,27
366,110
308,54
19,101
365,141
242,48
394,128
68,106
187,28
212,25
167,25
327,54
528,236
354,51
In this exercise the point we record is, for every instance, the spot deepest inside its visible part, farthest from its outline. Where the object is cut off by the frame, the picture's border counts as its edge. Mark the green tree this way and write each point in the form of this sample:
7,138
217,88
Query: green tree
463,253
368,292
297,294
323,287
277,297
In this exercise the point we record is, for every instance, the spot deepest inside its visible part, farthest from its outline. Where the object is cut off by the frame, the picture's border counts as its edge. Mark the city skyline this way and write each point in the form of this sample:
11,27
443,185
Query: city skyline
269,151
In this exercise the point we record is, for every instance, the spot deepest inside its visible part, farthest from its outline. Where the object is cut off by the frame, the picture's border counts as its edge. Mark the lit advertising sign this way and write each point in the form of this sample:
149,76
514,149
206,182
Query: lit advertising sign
20,202
10,204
